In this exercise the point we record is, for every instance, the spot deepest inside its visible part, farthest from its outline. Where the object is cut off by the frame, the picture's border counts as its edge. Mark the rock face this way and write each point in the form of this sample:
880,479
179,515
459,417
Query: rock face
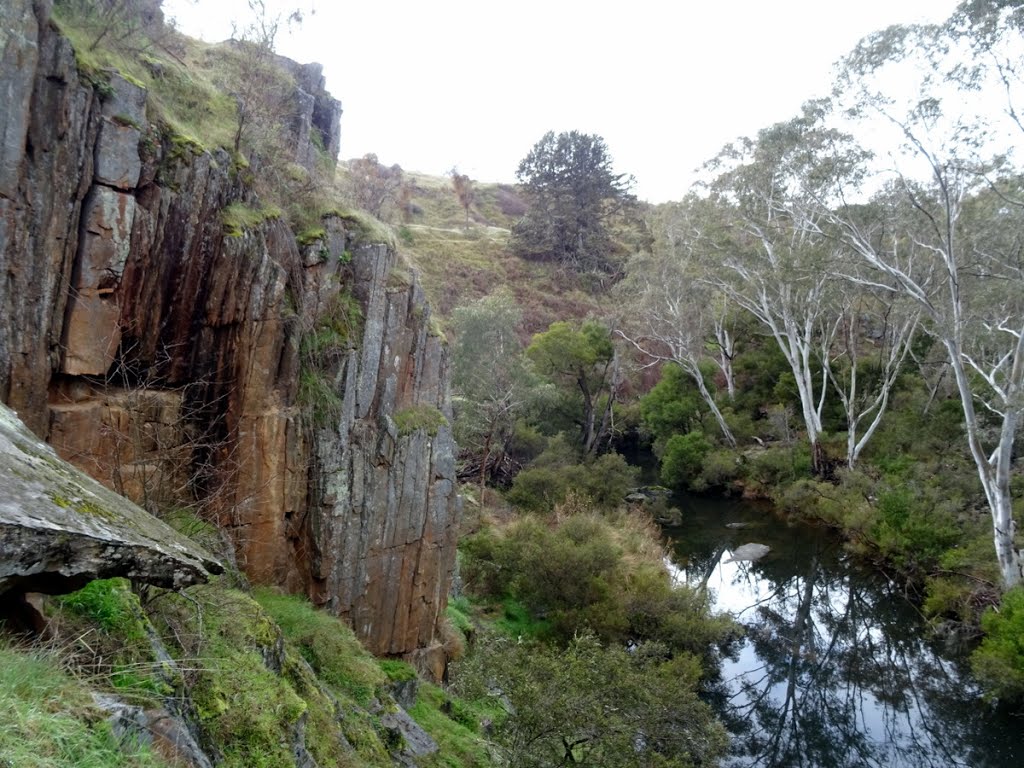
60,529
243,375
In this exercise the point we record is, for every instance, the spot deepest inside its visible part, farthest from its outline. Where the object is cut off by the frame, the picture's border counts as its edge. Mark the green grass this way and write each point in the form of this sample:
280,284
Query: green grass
455,725
327,644
238,218
417,417
184,95
48,719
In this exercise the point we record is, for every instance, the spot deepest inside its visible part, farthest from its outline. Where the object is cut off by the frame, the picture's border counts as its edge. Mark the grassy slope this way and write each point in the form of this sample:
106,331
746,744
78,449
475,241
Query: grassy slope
459,264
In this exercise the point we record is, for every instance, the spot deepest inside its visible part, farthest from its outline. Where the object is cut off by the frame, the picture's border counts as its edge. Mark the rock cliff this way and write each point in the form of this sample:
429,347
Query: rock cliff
292,391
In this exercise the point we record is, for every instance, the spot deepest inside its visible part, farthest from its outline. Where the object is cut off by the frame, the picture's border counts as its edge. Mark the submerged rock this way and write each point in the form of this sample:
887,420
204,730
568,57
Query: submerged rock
60,529
748,552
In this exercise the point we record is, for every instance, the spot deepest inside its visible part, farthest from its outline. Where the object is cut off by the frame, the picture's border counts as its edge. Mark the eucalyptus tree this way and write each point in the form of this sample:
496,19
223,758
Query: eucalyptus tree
876,332
950,237
492,379
766,247
677,316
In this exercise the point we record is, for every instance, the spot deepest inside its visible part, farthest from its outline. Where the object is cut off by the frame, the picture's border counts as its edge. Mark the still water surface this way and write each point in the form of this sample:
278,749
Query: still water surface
835,669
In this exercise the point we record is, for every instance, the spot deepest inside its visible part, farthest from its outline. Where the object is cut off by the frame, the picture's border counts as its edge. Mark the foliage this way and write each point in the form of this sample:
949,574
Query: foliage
683,458
547,482
999,661
419,417
593,705
48,719
583,363
587,570
491,379
573,194
672,406
327,643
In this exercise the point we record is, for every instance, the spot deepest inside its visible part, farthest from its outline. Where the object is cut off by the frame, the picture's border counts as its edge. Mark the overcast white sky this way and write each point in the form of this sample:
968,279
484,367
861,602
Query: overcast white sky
474,84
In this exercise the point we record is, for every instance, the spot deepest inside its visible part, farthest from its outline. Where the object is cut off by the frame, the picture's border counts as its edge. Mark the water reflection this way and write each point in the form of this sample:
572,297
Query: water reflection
833,670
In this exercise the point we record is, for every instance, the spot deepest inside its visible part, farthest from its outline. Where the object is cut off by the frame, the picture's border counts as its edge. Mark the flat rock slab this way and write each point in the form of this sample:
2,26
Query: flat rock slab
60,529
748,552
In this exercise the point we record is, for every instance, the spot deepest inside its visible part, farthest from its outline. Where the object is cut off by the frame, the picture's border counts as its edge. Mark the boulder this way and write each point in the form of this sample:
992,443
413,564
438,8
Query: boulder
60,529
749,552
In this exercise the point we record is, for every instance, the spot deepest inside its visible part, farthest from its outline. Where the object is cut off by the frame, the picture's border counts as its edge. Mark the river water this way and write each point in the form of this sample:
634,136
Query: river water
835,669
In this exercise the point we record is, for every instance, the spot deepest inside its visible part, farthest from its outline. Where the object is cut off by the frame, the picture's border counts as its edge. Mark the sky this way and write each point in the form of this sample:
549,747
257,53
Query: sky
475,84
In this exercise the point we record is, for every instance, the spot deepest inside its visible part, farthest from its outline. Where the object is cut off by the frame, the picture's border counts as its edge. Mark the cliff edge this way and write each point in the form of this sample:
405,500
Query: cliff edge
171,334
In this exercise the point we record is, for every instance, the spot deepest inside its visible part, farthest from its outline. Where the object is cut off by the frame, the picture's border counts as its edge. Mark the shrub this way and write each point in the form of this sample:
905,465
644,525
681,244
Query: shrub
604,482
910,531
683,458
999,661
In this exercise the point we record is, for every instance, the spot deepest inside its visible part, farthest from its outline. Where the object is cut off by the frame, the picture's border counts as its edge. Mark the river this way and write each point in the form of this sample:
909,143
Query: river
835,668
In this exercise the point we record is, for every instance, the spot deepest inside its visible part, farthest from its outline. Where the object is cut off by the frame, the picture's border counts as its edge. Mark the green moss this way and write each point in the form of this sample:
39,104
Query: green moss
397,671
329,646
417,417
311,236
251,687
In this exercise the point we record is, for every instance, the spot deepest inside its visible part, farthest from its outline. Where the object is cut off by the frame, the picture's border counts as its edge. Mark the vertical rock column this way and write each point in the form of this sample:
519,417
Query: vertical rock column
92,330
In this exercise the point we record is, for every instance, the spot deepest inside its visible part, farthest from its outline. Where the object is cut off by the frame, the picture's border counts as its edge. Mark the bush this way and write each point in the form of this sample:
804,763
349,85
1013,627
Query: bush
910,531
720,469
999,661
683,459
604,482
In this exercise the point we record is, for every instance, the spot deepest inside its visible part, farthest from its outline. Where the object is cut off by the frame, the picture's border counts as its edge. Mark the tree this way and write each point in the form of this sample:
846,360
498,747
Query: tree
595,706
373,186
581,359
680,318
950,241
573,194
764,248
464,191
491,379
263,92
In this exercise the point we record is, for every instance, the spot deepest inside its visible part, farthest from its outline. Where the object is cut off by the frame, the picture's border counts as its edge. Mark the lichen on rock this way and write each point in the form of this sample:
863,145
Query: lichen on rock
59,528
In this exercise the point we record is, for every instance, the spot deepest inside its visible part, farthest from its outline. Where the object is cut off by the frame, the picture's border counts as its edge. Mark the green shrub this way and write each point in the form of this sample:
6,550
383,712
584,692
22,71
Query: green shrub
604,482
910,531
683,458
999,661
719,469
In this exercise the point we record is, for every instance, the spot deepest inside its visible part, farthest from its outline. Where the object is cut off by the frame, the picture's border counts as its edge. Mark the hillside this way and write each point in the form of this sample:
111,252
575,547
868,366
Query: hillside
459,263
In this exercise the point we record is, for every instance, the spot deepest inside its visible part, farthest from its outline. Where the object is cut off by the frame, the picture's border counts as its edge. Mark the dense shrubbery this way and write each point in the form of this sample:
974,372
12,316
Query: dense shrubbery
583,569
557,472
999,662
591,704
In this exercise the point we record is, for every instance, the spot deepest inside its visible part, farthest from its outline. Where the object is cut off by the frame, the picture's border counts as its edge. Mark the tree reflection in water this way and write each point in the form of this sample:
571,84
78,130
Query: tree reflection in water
834,669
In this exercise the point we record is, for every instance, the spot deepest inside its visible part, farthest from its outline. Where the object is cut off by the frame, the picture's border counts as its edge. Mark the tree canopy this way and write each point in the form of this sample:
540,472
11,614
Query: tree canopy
573,193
